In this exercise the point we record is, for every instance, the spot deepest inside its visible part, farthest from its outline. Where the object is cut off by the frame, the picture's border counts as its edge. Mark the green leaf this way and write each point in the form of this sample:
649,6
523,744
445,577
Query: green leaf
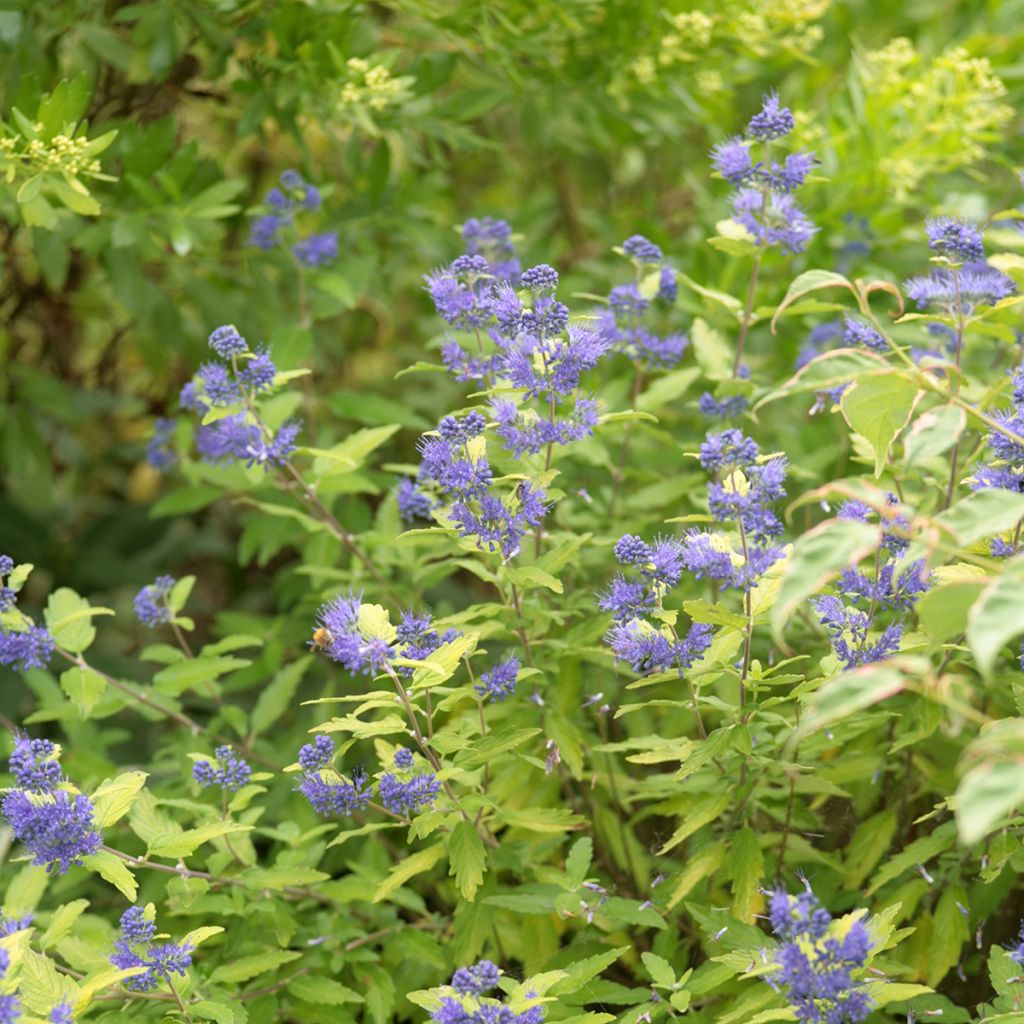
114,798
985,796
186,675
942,611
713,353
807,282
980,515
660,970
184,844
529,577
704,810
817,557
949,933
577,864
68,617
746,869
248,967
315,988
542,819
878,407
84,688
61,922
413,865
275,698
467,859
851,691
667,389
827,371
113,870
997,616
933,433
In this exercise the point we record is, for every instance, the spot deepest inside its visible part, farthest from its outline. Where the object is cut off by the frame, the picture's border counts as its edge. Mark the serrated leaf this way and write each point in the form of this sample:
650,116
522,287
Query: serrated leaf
467,859
184,844
246,968
114,798
878,407
413,865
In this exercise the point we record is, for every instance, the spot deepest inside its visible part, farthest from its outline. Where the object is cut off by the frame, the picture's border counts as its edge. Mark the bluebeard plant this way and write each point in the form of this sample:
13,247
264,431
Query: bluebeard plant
630,322
888,592
636,596
500,680
55,825
744,488
820,971
159,451
23,644
10,1004
455,475
329,793
137,945
404,792
963,281
227,771
465,1000
1005,468
763,203
233,387
151,607
287,204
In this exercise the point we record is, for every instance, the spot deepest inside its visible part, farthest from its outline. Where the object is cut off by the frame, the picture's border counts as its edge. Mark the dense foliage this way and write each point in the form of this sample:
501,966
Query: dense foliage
512,512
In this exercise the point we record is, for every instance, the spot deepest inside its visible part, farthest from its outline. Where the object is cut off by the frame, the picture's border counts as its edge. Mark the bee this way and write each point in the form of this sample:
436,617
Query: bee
321,638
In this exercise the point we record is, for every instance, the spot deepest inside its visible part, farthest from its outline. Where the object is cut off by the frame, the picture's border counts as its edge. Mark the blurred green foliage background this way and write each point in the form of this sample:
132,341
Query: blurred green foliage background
580,121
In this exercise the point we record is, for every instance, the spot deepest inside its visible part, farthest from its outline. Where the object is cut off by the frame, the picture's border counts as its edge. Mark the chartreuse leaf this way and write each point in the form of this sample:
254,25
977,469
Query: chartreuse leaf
986,795
807,282
61,922
467,858
713,353
113,870
878,407
407,869
69,620
314,988
949,933
746,864
997,616
184,844
113,799
852,691
818,556
248,967
827,371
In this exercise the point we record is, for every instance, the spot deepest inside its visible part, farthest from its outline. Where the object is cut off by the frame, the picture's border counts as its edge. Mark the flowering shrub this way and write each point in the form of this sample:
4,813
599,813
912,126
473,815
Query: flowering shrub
483,628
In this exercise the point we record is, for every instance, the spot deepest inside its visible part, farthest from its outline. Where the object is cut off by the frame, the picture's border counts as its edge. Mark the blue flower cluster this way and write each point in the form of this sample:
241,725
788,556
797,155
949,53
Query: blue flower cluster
227,771
967,281
1005,470
406,792
10,1004
465,1000
151,606
818,973
632,598
136,946
763,203
10,925
500,680
23,645
342,637
455,472
55,825
237,380
287,201
892,587
159,450
743,489
492,239
328,793
627,323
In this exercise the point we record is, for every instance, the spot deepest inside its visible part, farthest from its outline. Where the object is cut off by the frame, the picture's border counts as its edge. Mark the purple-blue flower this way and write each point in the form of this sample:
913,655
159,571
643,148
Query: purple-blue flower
28,648
34,765
228,771
151,606
159,450
772,121
227,342
957,239
56,828
407,796
335,799
316,755
500,680
136,947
